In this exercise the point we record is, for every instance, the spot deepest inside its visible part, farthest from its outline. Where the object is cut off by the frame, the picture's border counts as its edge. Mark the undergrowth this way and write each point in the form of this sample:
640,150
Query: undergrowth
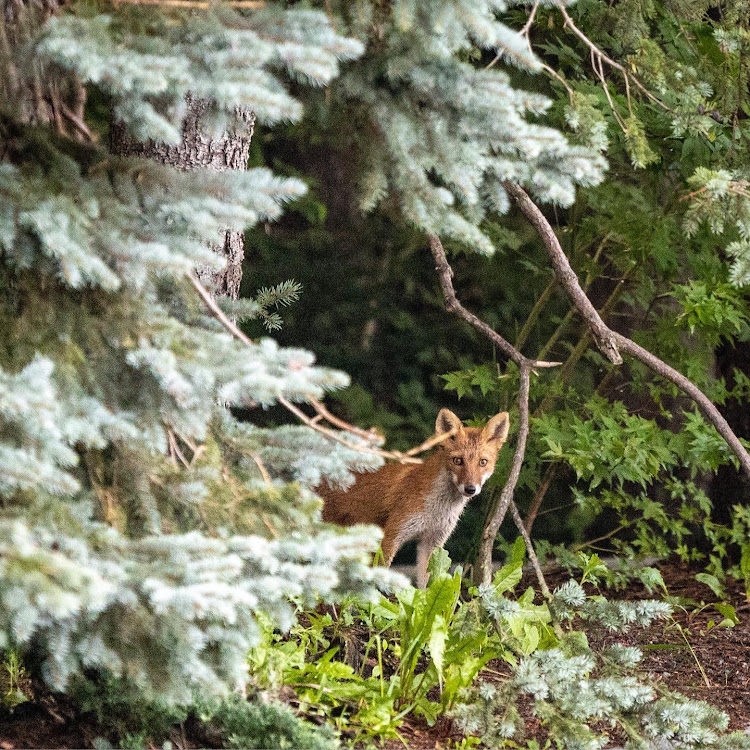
352,675
365,667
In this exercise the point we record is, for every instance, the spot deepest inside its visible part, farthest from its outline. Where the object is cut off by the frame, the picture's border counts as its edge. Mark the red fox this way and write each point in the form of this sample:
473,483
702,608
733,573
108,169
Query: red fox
421,501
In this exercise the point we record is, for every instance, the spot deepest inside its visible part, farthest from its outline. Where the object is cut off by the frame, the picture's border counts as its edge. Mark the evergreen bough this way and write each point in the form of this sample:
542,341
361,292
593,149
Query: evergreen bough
139,533
446,133
578,692
142,526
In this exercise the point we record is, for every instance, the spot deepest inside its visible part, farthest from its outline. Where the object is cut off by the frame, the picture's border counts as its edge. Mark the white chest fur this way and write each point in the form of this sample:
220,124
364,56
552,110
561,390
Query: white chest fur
442,509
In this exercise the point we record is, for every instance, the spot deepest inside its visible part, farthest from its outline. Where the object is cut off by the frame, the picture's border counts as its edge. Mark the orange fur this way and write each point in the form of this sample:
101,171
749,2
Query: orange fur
421,501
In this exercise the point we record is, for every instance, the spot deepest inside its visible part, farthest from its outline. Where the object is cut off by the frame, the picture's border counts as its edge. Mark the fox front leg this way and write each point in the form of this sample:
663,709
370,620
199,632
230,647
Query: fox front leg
425,548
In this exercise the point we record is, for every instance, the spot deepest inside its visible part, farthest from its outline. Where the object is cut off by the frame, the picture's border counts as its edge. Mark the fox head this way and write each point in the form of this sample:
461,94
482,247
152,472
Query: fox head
471,452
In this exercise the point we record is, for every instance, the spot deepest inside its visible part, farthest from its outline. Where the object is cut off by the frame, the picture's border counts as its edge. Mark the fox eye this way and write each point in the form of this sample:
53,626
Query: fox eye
458,460
483,462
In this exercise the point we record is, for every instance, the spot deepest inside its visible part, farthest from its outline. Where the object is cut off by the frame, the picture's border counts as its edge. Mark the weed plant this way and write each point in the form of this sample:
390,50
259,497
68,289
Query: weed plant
365,667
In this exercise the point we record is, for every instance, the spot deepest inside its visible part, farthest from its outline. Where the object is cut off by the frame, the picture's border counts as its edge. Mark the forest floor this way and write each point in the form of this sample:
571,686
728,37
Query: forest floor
714,667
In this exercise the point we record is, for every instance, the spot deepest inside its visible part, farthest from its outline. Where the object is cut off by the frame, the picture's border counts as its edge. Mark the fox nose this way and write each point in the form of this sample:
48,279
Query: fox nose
470,489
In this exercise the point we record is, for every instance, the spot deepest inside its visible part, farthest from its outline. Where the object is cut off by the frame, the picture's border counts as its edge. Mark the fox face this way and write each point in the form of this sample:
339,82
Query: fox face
470,453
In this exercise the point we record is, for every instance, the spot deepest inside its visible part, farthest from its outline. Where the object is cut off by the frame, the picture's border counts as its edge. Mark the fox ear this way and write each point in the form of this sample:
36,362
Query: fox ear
447,421
497,428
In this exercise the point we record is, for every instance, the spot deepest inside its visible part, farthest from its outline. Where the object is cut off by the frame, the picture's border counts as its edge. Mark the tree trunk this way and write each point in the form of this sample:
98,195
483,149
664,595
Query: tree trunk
196,151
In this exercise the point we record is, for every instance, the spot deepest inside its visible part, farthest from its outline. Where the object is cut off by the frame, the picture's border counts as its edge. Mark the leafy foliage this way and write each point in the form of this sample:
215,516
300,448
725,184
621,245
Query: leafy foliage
365,667
426,639
573,687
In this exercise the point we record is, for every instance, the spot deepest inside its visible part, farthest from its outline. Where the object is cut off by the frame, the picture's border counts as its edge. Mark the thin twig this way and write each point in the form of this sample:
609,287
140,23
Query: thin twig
602,538
527,26
551,71
371,434
430,443
261,467
333,435
217,312
533,559
197,454
610,342
692,195
77,121
600,74
541,491
322,412
539,305
269,526
175,448
617,66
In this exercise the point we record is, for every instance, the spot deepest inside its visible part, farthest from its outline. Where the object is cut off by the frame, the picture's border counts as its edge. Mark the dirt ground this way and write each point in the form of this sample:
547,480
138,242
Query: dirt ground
715,667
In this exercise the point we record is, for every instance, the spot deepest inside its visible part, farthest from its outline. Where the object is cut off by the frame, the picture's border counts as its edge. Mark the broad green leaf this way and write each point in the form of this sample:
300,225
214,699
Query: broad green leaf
507,577
712,582
530,639
436,645
439,562
728,612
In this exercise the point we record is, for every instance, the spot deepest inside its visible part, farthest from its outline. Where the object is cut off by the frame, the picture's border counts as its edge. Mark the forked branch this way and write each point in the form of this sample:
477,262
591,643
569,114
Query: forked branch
445,275
612,343
500,505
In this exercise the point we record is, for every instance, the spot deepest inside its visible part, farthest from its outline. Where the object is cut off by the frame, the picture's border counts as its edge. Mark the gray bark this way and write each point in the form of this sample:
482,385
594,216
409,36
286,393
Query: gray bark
197,151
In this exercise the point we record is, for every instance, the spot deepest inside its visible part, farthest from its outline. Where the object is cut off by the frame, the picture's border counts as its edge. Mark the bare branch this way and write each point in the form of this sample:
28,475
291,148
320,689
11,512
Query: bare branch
602,334
707,408
322,411
174,448
445,275
496,514
610,342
